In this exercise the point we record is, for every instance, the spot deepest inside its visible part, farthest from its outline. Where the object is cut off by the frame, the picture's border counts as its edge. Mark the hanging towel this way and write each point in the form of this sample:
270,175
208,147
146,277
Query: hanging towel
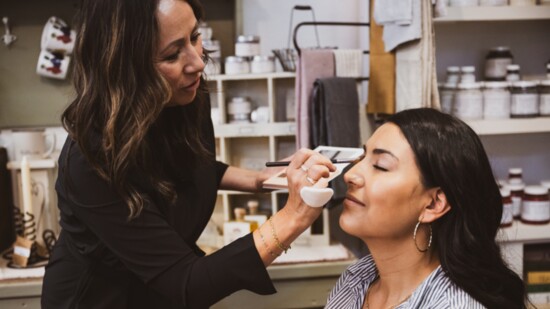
348,62
416,84
396,34
334,117
313,64
381,96
393,12
335,120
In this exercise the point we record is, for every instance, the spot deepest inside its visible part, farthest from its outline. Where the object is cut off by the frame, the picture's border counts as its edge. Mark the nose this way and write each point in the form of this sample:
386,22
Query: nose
353,177
195,62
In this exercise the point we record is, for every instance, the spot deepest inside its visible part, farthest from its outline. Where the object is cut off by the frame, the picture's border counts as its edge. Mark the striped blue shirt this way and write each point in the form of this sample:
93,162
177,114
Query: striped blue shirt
436,292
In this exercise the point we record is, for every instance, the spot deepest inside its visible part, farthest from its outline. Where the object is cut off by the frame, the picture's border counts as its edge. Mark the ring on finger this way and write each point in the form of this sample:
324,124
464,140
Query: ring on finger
304,168
310,180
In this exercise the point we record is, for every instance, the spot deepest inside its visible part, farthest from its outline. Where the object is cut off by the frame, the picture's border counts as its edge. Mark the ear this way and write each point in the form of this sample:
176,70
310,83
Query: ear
437,208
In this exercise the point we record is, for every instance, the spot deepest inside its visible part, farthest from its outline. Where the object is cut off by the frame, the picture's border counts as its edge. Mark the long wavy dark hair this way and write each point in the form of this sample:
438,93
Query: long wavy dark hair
451,156
119,117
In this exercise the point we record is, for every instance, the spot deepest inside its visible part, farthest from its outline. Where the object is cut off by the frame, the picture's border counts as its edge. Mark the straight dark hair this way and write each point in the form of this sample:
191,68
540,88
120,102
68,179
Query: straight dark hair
451,156
119,116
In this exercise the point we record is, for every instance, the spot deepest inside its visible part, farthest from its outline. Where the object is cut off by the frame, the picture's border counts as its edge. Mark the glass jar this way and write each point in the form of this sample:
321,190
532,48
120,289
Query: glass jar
544,97
247,46
524,99
447,96
468,101
467,74
496,100
496,61
536,205
238,110
507,209
236,65
513,73
262,64
453,75
516,194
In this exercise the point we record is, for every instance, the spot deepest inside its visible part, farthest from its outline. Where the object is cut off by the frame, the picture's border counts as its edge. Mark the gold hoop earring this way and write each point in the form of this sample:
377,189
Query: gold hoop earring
414,237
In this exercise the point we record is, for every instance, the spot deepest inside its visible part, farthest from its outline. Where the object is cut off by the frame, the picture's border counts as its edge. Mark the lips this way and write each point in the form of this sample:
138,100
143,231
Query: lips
352,200
193,85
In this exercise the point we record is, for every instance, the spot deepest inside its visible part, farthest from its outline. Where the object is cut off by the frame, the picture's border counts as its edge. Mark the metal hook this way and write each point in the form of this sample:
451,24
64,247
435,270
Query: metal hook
7,38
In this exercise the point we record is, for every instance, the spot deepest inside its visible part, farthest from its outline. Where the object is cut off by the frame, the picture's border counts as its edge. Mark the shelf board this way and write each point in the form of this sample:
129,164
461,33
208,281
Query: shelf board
255,129
251,76
33,164
520,232
510,126
495,13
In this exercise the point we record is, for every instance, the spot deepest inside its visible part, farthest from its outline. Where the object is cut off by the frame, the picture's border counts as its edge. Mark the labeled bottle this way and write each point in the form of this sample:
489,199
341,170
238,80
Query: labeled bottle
524,99
239,227
516,194
447,94
496,61
507,208
496,100
513,73
468,101
254,213
247,46
236,65
536,205
453,75
515,173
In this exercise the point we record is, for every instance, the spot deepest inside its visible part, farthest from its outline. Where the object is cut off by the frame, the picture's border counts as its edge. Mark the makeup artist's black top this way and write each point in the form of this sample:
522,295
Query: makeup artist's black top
102,260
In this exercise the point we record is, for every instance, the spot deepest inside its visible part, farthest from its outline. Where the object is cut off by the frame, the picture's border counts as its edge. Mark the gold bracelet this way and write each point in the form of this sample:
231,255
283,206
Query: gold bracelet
265,243
277,242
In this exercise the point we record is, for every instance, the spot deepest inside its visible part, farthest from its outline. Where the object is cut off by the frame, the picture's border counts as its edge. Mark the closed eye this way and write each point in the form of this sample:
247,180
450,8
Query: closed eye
378,167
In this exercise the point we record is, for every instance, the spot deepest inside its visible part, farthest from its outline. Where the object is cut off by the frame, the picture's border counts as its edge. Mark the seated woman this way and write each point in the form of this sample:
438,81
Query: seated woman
425,201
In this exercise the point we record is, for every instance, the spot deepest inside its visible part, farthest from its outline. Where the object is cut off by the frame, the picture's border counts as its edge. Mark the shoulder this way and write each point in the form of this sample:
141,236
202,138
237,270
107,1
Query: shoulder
79,182
352,284
439,292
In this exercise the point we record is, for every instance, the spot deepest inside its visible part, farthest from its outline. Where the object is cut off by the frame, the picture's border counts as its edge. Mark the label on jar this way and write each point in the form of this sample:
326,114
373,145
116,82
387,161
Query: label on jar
535,211
468,104
447,100
243,49
524,104
545,104
496,104
507,214
496,67
516,206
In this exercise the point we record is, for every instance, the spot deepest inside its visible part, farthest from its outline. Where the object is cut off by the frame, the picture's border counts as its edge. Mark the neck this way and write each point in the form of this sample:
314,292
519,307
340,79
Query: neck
401,268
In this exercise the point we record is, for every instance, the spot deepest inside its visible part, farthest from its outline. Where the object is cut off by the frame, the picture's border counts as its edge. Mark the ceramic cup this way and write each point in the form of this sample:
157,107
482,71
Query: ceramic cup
57,36
32,143
53,65
260,115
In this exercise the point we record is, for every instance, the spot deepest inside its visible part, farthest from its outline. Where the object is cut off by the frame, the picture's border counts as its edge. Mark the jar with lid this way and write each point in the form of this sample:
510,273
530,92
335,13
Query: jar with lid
453,75
512,73
238,110
247,46
467,74
236,65
496,61
447,93
496,100
213,66
536,205
468,101
515,173
507,209
516,194
544,98
262,64
524,99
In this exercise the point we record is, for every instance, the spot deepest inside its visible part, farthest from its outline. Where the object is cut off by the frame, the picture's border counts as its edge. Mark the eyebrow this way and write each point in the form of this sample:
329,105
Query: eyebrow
381,151
181,41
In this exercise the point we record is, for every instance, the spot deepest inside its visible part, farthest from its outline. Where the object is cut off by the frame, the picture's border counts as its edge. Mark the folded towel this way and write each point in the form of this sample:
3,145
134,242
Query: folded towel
313,64
396,34
348,62
397,12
